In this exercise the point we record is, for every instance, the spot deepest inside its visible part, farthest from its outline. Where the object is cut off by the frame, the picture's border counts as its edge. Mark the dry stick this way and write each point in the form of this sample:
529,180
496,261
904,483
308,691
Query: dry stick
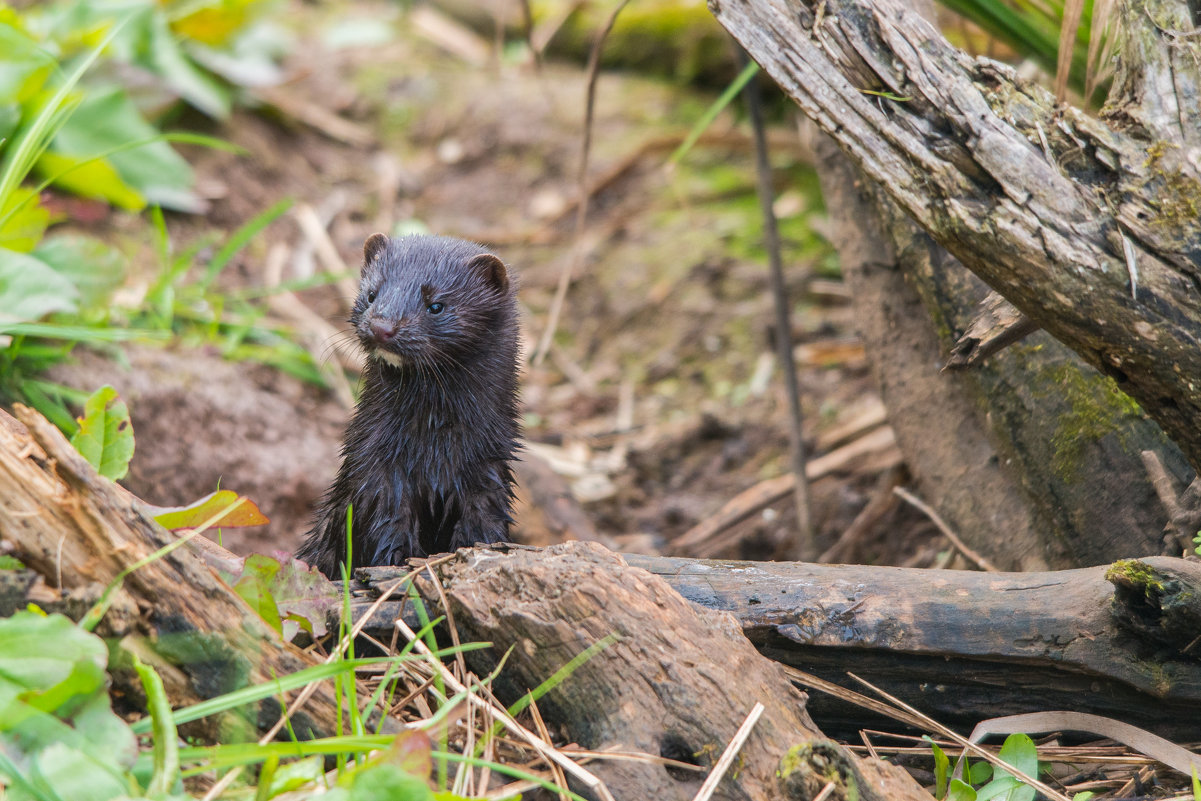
980,561
965,743
544,750
577,250
727,757
807,547
1072,11
826,792
556,771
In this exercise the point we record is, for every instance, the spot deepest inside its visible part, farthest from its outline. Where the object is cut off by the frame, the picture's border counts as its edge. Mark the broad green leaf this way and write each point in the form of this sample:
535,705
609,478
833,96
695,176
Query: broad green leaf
90,178
24,65
959,791
167,59
1019,751
1085,796
254,587
294,775
23,227
1002,787
71,773
95,268
105,436
197,513
38,652
386,782
979,772
106,119
30,289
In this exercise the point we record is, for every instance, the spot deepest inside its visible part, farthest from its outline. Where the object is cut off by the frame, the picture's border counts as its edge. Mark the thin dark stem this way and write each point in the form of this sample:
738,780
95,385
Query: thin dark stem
807,544
577,250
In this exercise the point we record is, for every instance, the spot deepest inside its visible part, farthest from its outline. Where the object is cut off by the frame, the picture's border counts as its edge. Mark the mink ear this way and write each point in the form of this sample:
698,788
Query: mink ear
374,246
492,270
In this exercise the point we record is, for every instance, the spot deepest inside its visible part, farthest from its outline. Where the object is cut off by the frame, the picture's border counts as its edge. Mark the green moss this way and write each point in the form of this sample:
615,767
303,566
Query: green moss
1096,408
822,761
1177,194
1134,573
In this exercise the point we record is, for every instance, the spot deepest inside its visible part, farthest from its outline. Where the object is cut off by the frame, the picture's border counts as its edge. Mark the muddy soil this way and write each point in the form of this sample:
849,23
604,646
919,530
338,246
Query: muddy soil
659,400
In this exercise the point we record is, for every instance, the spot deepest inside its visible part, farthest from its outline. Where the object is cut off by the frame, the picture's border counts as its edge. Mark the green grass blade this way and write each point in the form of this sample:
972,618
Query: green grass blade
34,140
241,237
711,113
166,740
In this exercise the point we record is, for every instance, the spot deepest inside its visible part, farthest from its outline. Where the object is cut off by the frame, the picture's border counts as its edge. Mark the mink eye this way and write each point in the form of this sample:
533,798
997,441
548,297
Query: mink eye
371,296
434,308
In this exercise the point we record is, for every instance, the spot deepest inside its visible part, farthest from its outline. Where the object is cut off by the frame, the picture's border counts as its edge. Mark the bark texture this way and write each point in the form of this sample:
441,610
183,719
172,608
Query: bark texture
1117,641
77,531
1032,456
1088,226
678,682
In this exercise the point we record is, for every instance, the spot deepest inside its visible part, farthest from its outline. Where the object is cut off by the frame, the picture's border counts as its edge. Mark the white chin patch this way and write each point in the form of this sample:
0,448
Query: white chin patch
388,357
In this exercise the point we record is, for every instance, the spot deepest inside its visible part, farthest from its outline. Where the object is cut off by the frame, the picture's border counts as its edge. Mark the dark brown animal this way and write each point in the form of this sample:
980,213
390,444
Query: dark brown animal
425,461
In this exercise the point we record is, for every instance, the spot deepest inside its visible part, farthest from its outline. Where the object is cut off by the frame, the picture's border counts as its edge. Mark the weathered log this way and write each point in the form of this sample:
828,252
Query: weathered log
1088,226
1032,457
961,646
77,532
678,682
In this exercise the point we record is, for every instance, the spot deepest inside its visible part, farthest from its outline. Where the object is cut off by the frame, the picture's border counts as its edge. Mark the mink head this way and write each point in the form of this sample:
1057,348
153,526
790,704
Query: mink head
425,301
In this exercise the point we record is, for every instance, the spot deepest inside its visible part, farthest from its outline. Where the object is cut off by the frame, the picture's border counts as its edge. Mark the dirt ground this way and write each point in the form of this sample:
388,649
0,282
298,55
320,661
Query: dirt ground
659,400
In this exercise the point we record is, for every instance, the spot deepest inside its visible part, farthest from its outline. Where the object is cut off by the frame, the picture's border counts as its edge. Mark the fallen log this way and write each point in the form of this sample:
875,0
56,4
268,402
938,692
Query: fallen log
961,646
77,531
678,681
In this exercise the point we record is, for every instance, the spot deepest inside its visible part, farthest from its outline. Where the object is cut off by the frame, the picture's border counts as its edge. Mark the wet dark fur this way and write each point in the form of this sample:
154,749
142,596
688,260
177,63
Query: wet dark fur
426,456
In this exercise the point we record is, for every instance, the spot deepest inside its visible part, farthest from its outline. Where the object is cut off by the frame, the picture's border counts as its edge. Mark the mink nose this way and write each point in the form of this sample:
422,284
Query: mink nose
384,331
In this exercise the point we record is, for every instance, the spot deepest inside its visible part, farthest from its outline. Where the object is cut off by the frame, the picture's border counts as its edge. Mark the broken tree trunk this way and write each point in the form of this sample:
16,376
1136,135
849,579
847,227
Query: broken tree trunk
1031,457
961,646
1088,226
678,681
78,531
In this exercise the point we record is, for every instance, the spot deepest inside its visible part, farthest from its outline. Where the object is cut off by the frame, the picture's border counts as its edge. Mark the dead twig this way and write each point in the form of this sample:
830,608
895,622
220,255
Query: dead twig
916,502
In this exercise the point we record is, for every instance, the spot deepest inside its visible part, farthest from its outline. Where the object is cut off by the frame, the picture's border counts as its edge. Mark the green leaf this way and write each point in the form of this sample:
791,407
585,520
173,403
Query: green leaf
95,268
1084,796
22,228
294,775
942,768
105,436
40,652
387,782
979,772
30,289
24,65
254,587
58,726
1196,785
167,59
1020,752
959,791
166,740
108,119
199,512
91,178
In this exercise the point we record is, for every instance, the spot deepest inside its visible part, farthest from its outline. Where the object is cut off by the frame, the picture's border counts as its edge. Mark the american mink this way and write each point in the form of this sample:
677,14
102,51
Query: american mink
425,461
